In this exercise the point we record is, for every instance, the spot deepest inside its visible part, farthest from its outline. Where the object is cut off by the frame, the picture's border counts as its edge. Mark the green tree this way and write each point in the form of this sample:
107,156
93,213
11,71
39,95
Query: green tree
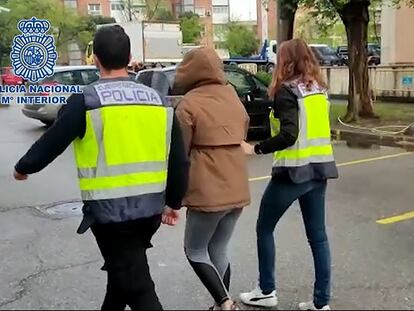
241,40
323,31
67,25
286,14
163,14
64,21
87,27
191,27
355,16
152,7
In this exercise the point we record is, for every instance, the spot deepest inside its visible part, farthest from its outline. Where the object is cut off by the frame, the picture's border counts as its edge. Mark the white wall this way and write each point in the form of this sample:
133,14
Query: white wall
386,81
388,34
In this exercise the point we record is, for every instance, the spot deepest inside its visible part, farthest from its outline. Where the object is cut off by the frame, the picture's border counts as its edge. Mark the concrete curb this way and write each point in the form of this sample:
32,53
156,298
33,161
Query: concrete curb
401,141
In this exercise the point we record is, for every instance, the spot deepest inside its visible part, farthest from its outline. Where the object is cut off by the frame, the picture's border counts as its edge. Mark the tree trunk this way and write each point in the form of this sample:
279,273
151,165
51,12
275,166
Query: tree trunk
355,17
286,20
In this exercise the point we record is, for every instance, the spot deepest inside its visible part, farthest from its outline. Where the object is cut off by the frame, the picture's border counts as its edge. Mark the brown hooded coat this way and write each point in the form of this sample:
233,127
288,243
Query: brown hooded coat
214,123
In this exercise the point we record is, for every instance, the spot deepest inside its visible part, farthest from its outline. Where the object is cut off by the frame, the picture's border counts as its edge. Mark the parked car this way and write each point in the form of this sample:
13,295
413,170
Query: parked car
1,104
342,52
373,49
65,75
9,78
326,55
251,90
374,54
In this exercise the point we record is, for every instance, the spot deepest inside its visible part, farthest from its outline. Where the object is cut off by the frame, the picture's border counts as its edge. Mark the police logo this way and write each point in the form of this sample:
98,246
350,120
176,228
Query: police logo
33,54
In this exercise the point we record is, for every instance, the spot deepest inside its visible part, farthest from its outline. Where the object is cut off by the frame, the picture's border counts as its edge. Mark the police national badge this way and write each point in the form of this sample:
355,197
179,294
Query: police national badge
33,54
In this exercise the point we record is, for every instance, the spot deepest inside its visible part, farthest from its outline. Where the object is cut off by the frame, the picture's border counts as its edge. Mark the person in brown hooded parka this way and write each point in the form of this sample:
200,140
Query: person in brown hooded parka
214,124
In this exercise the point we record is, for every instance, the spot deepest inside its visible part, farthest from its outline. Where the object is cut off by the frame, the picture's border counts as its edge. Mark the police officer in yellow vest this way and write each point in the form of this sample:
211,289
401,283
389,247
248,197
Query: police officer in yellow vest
303,162
131,163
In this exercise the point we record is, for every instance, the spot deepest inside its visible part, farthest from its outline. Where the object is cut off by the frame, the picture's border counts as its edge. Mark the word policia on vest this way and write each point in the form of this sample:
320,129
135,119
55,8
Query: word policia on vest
124,92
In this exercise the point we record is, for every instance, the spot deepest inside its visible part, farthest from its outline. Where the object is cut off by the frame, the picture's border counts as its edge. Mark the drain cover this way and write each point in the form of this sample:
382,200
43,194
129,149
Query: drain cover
62,210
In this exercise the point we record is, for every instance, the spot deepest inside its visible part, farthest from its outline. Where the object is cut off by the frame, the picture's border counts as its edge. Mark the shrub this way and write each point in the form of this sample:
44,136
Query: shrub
264,77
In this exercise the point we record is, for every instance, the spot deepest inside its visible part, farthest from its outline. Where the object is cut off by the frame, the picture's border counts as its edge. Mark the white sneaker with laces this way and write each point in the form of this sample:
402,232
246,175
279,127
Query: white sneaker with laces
310,306
257,298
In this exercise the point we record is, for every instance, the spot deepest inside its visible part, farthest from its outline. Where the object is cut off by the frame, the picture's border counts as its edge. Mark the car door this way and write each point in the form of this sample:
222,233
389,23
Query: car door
89,76
253,94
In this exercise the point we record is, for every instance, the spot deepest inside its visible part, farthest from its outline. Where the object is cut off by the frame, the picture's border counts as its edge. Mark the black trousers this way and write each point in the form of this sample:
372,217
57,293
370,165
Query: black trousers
123,247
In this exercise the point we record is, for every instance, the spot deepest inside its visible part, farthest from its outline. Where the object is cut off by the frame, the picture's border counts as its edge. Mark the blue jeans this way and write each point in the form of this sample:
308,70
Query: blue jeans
278,197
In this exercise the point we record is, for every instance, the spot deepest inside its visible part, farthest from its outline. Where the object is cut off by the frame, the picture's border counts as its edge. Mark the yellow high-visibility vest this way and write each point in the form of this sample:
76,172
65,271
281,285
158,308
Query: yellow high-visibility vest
314,140
124,151
274,124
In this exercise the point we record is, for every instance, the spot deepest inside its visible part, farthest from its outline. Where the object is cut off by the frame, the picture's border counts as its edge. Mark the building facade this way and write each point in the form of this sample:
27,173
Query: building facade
397,46
214,14
90,7
266,20
131,10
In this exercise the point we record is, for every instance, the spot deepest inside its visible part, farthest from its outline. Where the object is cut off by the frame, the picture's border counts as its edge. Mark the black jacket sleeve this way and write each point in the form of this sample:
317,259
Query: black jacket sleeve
178,167
286,108
70,124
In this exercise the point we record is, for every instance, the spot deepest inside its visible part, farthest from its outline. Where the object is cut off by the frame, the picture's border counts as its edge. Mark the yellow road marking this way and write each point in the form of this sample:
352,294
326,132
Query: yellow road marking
384,221
390,156
396,155
259,178
394,219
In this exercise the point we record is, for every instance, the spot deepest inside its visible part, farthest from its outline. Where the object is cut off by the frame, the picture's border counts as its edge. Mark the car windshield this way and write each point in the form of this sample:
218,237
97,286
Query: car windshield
170,76
373,48
343,49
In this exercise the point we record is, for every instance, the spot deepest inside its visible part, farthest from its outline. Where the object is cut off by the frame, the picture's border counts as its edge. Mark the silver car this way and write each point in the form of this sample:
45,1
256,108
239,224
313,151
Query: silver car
65,75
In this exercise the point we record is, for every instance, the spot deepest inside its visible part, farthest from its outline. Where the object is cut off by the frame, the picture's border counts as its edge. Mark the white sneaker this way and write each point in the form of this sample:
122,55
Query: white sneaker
257,298
310,306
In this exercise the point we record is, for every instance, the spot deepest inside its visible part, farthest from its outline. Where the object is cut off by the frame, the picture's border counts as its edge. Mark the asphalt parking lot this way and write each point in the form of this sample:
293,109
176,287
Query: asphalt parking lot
44,264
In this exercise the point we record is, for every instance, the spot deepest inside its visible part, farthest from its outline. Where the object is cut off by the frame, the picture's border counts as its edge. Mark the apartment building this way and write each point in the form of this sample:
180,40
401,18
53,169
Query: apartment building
90,7
128,10
220,19
214,14
397,46
73,56
266,20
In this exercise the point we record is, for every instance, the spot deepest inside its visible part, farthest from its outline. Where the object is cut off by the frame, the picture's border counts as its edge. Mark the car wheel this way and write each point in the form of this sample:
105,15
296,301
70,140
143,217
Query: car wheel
270,68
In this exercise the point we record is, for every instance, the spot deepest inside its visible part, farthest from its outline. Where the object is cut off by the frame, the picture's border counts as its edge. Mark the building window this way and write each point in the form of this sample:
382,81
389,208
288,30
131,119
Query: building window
94,9
117,7
71,4
178,10
220,9
188,8
200,11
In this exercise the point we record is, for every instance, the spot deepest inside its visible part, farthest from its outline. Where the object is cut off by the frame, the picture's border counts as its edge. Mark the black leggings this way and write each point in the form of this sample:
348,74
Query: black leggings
207,236
123,247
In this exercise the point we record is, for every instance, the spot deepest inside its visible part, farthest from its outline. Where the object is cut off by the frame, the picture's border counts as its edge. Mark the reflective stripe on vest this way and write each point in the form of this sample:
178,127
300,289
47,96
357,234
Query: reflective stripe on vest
314,140
274,124
124,151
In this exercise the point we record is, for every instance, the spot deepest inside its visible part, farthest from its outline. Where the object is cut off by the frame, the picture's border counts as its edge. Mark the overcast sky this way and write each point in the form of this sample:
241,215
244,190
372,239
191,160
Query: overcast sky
243,10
